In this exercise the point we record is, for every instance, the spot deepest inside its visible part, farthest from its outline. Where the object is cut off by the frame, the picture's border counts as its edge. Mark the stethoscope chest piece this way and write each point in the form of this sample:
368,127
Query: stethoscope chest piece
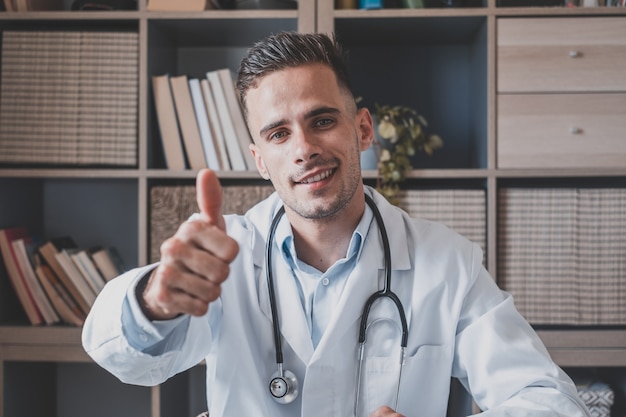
283,384
284,388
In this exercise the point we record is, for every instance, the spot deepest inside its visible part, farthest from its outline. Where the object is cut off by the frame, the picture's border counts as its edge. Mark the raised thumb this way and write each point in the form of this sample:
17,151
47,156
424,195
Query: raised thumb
209,197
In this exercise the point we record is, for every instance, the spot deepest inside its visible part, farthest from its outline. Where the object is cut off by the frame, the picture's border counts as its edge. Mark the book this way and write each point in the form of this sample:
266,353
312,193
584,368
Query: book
17,280
171,140
208,142
84,288
235,155
88,269
215,124
62,301
179,5
371,4
108,262
10,6
236,114
48,253
11,310
187,122
24,248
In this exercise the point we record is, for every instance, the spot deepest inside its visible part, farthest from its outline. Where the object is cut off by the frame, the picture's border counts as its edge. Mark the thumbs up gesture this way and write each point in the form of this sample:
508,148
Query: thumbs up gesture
194,262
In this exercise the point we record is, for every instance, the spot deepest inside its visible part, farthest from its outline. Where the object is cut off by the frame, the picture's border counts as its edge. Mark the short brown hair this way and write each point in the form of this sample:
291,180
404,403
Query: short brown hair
290,49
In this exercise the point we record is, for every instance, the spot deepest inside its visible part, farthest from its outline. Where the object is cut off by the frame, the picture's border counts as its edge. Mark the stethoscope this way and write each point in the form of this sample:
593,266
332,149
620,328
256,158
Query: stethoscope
283,385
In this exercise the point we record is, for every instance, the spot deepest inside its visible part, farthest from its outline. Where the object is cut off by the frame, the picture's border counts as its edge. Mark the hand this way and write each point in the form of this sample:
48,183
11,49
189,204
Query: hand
385,411
194,262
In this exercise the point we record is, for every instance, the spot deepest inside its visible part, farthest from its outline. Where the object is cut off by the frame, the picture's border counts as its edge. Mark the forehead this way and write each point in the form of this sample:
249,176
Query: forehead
295,83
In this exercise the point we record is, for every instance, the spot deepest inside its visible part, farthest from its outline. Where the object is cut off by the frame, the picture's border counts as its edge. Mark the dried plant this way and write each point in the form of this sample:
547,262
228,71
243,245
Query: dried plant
402,132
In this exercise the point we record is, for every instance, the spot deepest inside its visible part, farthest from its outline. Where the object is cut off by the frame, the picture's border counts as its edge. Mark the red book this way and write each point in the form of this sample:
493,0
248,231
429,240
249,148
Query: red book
15,274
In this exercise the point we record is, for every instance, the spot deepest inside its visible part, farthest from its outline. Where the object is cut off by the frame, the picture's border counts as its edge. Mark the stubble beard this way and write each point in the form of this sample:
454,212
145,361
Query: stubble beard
327,210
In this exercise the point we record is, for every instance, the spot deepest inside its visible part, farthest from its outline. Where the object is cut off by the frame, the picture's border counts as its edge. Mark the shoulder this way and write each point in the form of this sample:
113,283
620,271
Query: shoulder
419,229
428,241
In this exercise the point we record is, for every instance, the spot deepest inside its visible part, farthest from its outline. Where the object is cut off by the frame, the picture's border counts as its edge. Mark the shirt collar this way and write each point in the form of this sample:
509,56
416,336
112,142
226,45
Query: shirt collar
284,238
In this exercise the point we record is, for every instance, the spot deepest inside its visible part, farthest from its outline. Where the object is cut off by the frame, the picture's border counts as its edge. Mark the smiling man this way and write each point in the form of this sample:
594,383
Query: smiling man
274,302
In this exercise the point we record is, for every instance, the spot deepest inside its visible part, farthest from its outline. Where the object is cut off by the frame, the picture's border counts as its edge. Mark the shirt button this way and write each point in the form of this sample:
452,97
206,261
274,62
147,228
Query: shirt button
325,282
143,337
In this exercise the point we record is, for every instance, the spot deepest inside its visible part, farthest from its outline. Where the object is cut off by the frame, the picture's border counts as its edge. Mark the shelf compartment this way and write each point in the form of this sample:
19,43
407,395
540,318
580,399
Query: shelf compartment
171,203
194,47
561,253
95,212
438,66
68,390
184,394
561,131
555,55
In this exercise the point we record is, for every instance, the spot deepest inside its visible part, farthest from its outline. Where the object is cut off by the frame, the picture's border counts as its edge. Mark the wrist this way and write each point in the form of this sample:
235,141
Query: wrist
140,295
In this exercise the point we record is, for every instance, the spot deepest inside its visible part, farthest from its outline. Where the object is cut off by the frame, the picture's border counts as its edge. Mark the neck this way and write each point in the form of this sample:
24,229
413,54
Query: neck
322,242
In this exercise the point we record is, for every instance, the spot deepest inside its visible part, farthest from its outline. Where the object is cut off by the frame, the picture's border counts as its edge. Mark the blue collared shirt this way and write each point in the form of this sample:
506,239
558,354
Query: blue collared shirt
320,291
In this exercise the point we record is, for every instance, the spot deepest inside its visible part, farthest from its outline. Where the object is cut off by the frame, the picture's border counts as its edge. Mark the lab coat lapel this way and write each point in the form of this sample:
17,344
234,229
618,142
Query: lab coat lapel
368,275
293,324
365,279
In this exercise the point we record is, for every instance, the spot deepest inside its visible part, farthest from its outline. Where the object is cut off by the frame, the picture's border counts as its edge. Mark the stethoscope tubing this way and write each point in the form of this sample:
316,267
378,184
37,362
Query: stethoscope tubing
270,286
386,292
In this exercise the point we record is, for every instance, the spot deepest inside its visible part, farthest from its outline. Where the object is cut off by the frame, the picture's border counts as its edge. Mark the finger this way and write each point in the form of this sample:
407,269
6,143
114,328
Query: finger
175,291
195,243
385,411
209,197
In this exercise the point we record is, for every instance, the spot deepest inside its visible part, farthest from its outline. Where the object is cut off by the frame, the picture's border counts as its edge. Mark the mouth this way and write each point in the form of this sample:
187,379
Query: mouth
320,176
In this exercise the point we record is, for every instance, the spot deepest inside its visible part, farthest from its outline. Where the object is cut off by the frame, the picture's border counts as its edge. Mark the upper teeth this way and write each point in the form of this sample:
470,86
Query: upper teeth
317,177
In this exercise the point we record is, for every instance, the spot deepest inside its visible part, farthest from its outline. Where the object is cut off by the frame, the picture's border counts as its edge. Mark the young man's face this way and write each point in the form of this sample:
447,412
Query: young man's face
308,137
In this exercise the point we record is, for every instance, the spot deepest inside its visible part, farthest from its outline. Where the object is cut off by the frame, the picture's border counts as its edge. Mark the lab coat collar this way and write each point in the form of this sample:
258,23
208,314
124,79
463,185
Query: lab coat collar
293,323
262,214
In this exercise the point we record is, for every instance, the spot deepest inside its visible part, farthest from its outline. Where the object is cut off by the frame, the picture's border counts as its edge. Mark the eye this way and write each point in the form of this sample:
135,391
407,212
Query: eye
278,135
325,122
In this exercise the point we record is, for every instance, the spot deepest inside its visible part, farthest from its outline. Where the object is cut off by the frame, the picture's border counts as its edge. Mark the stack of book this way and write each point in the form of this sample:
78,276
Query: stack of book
55,281
69,98
201,122
562,254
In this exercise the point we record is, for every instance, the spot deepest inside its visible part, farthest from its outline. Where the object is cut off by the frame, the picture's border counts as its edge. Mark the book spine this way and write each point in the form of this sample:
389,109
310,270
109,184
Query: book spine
168,123
187,122
235,155
215,124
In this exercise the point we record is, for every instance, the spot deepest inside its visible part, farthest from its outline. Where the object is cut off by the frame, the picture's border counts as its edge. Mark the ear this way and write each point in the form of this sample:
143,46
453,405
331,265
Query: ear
258,159
365,128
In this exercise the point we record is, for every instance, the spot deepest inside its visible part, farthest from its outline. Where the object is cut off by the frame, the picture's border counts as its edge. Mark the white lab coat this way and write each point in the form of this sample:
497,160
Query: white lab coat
460,324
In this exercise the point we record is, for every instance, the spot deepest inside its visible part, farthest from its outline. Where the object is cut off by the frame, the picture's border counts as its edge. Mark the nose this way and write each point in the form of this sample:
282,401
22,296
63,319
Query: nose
306,146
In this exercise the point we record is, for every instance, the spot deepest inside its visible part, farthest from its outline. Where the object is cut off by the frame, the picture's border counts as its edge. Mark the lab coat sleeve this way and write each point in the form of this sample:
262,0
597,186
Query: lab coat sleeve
502,362
134,349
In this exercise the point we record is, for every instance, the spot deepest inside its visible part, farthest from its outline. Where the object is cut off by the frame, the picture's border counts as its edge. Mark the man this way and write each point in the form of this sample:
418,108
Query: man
208,297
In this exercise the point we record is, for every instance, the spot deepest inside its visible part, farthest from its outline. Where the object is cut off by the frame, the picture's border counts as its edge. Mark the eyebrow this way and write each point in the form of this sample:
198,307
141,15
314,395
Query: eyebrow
313,113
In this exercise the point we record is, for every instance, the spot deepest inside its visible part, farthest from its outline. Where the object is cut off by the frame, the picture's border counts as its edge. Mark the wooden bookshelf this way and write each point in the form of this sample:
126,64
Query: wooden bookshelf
442,61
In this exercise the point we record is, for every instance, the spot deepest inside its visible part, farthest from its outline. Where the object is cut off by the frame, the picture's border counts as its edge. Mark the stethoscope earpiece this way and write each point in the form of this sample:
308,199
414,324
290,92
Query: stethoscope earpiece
284,388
